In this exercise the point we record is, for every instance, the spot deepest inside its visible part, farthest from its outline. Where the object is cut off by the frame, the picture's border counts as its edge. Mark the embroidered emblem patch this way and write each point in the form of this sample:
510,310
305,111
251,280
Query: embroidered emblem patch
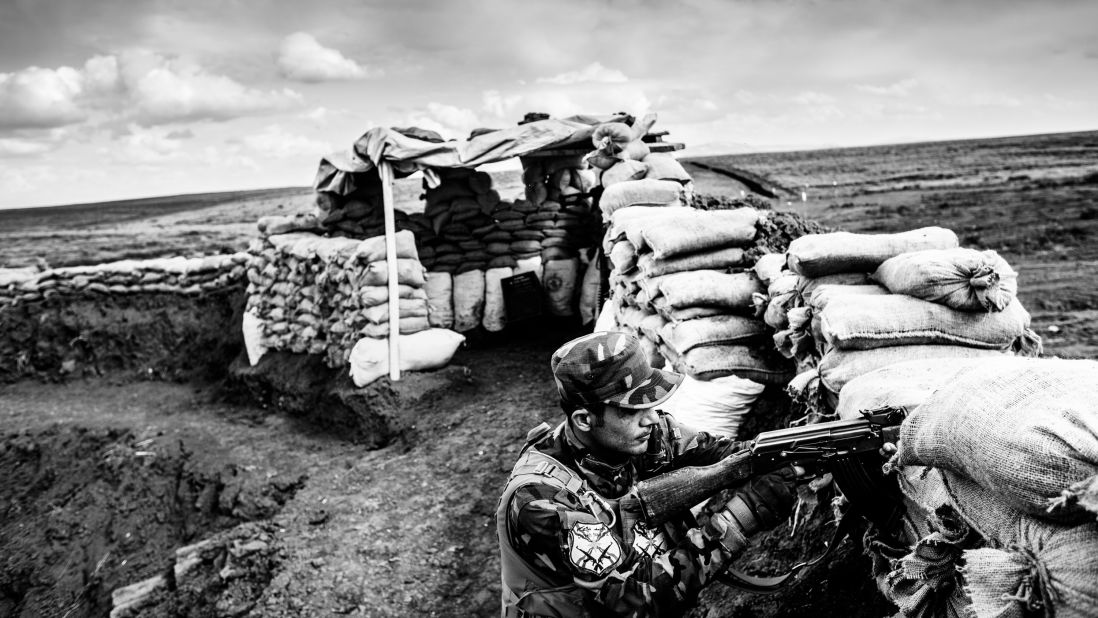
592,548
648,542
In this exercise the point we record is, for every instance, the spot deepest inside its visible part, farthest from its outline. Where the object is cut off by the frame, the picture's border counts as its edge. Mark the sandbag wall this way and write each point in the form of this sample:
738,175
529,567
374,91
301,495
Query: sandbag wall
167,316
683,281
998,465
850,303
178,275
309,294
470,239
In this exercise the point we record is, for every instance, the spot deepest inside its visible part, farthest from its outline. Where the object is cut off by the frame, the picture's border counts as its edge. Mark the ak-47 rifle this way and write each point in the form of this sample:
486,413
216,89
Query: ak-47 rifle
849,449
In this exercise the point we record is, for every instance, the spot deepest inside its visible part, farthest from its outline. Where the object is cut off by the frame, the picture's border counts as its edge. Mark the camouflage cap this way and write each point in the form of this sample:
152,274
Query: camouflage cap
610,367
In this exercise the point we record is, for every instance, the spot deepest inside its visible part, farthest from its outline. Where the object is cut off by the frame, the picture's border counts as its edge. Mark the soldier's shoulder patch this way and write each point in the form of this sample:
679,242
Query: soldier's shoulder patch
592,548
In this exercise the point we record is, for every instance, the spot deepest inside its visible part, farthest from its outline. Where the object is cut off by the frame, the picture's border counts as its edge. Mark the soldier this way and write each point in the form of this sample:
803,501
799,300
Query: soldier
567,547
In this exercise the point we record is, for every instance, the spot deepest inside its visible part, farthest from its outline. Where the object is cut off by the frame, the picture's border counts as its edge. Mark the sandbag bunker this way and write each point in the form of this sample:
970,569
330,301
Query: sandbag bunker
318,282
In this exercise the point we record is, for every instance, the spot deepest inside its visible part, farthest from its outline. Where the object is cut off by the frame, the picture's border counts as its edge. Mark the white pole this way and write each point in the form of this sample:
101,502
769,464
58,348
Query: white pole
385,171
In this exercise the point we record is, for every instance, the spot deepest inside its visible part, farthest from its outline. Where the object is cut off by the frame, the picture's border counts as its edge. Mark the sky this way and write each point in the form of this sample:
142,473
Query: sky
117,99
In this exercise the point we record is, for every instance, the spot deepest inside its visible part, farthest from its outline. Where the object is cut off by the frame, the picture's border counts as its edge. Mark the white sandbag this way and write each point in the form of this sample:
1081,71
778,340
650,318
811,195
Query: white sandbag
716,406
468,300
440,299
373,295
409,272
709,288
629,223
664,166
529,265
429,349
253,337
409,308
838,367
589,291
623,256
823,295
644,192
700,230
807,286
867,321
1026,429
770,266
608,317
495,313
905,384
963,279
623,171
707,259
814,255
755,363
559,278
715,330
373,249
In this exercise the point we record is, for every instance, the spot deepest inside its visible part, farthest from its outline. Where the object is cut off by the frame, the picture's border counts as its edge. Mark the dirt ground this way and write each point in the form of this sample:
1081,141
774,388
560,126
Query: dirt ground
109,480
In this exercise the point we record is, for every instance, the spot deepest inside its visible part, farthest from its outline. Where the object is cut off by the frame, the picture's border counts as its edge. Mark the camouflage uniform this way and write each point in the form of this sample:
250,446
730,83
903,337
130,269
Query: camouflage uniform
581,555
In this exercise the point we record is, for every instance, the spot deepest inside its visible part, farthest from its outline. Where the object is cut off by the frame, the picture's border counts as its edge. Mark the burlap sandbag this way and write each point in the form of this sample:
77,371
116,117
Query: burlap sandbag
495,313
409,308
770,266
824,294
686,314
1028,562
408,326
815,255
755,363
709,288
716,259
468,300
859,322
629,224
409,272
838,367
716,330
623,171
374,295
700,230
559,279
589,291
664,166
905,384
623,256
964,279
1023,428
806,286
716,406
440,299
643,192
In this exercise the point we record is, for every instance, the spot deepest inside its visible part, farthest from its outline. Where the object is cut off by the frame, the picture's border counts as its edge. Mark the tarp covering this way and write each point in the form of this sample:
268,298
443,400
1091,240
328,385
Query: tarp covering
337,172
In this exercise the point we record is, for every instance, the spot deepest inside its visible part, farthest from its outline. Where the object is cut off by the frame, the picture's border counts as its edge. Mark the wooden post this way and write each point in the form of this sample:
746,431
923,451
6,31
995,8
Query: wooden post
385,171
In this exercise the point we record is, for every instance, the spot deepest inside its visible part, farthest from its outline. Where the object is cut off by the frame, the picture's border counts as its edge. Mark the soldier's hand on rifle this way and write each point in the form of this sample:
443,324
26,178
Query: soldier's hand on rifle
760,505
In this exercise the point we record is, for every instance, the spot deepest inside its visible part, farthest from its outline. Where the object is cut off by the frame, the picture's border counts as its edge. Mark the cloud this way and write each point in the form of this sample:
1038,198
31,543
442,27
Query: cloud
147,145
301,57
448,120
499,105
276,142
899,89
135,86
163,90
40,98
593,72
17,147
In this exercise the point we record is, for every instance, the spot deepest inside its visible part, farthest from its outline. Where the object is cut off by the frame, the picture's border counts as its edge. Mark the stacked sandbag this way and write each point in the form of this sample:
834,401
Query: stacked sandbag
850,303
317,295
683,281
1012,444
176,275
359,215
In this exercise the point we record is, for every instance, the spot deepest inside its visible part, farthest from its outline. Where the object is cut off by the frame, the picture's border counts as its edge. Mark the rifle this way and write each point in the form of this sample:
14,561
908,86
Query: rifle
849,449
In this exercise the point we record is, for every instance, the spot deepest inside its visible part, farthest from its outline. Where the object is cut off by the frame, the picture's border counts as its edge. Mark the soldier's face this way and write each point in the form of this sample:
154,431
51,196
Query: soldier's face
624,430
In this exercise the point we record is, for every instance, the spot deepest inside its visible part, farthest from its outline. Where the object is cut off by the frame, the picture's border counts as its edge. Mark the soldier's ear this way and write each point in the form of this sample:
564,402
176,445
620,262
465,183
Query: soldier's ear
582,419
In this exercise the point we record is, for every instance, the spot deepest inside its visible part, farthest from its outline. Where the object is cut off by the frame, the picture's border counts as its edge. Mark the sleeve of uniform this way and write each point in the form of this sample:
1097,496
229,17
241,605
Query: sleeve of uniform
566,541
698,448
